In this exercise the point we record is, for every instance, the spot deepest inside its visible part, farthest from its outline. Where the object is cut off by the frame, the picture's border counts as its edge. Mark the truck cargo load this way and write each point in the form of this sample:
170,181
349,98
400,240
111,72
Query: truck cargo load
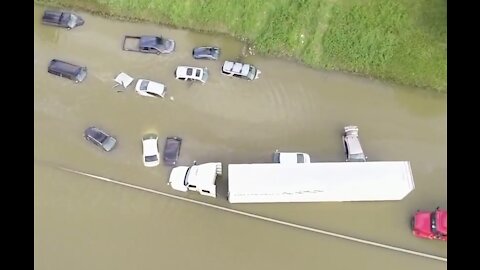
319,182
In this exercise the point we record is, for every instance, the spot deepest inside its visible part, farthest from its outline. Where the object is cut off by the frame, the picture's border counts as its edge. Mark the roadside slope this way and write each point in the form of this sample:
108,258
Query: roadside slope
402,41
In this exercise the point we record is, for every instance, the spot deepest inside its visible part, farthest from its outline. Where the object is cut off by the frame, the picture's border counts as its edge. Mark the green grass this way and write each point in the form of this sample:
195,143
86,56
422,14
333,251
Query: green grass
403,41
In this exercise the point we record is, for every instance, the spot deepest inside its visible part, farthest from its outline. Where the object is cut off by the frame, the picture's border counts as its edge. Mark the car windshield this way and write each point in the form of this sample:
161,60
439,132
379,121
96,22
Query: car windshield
252,72
160,41
433,221
205,75
82,74
143,85
73,21
198,72
151,158
98,136
185,180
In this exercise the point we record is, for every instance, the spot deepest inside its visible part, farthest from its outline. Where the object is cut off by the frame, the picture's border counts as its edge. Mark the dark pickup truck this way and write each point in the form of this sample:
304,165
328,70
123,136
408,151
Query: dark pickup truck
148,44
62,19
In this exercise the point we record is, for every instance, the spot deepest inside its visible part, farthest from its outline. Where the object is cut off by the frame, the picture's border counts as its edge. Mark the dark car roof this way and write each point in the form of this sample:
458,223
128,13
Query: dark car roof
59,65
172,149
96,134
204,50
150,41
56,16
200,51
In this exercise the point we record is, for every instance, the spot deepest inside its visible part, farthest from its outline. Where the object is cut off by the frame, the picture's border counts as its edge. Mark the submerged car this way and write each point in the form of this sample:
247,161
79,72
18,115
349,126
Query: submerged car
62,19
430,225
149,88
70,71
151,156
211,53
290,157
351,144
171,151
100,138
149,44
240,70
191,74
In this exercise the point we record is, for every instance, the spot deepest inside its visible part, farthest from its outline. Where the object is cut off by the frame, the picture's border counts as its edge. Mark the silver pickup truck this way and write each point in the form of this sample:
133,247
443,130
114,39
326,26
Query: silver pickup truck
148,44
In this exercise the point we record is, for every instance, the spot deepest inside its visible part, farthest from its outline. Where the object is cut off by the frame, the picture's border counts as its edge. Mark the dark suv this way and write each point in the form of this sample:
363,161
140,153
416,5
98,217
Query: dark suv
100,138
67,70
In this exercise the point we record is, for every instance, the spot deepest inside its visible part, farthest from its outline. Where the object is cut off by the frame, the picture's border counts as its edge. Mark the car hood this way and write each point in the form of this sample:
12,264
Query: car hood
169,46
177,178
155,87
152,87
80,21
109,143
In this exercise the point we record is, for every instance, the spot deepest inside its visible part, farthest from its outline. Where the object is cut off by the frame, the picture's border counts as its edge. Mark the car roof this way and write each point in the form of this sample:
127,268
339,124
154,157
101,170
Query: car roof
152,85
236,67
59,65
182,72
149,40
172,148
353,144
204,50
150,145
54,14
96,133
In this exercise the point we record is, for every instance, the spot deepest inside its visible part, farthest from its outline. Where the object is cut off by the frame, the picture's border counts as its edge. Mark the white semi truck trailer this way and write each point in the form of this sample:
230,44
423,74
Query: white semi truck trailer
319,182
292,178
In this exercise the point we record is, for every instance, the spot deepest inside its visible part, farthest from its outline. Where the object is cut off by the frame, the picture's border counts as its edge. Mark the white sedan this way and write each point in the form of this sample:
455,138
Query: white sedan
149,88
151,156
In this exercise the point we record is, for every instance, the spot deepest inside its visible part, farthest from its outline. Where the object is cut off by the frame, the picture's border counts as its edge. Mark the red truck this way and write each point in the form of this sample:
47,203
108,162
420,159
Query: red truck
430,225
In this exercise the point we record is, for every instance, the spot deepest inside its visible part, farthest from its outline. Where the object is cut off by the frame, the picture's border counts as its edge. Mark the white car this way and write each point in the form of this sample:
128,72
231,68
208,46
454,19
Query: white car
151,156
149,88
191,74
240,70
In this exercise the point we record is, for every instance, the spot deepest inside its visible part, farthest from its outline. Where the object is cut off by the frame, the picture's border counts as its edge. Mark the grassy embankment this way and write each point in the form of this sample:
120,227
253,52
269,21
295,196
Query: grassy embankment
404,41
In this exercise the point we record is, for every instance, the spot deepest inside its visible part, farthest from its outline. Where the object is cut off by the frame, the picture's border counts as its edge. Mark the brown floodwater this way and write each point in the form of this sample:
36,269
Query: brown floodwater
83,223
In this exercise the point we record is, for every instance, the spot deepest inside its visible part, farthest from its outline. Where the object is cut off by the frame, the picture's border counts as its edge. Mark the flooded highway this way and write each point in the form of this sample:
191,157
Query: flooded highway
83,223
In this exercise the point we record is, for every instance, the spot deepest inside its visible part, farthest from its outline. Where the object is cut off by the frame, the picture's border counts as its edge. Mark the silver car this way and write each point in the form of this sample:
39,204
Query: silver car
211,53
100,138
351,144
